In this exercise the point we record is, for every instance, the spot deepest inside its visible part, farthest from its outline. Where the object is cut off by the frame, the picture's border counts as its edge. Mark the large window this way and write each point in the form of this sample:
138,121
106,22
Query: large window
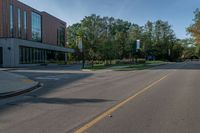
25,23
11,21
36,27
30,55
61,37
19,21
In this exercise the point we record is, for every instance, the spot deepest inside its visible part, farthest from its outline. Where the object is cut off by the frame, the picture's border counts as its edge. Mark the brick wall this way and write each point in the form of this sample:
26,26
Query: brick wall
5,16
50,24
1,10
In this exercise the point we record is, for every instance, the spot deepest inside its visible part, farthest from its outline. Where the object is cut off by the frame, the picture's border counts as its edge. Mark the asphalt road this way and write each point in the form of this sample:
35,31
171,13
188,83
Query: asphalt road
163,99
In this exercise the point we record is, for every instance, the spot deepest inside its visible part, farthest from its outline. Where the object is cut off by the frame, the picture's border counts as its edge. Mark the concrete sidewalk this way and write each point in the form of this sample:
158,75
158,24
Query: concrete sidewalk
13,84
75,67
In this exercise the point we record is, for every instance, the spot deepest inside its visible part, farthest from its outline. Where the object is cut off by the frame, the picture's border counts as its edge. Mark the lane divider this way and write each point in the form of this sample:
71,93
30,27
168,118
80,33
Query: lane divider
114,108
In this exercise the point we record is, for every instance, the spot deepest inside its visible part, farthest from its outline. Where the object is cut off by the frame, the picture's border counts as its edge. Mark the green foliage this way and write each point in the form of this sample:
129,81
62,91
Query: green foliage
107,38
190,48
194,29
158,39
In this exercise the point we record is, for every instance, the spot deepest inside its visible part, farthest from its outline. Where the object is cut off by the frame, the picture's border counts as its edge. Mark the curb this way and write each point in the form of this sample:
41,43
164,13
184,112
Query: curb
6,70
86,70
20,92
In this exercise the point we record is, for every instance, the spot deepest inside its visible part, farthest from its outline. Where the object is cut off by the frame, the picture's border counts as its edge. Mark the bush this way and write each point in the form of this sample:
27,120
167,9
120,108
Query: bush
141,61
124,62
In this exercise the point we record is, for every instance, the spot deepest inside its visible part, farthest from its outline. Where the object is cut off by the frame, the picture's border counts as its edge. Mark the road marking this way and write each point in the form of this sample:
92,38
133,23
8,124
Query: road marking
47,78
56,77
110,111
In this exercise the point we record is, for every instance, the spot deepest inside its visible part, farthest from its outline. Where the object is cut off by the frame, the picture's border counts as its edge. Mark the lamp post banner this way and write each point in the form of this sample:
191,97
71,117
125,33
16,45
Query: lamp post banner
80,44
138,44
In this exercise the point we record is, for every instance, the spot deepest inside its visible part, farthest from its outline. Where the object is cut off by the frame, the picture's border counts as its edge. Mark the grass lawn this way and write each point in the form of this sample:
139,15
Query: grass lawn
98,67
125,67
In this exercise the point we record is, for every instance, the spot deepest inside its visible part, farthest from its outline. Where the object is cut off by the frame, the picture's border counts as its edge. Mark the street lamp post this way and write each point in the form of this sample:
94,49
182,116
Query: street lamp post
136,48
80,46
83,60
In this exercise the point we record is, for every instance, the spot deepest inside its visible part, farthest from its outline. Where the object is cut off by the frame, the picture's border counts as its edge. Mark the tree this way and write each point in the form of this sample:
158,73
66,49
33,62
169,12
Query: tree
177,50
72,37
107,38
121,37
190,48
94,29
148,36
194,29
158,39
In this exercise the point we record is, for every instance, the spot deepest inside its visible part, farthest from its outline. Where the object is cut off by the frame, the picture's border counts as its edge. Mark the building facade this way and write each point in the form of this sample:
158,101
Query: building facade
28,36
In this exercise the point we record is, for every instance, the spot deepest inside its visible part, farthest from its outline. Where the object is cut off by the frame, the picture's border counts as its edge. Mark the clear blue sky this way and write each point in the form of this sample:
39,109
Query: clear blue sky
179,13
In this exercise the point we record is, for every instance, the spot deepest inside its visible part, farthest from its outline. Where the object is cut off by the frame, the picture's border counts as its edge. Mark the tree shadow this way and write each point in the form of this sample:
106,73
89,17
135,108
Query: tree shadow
57,101
50,86
63,101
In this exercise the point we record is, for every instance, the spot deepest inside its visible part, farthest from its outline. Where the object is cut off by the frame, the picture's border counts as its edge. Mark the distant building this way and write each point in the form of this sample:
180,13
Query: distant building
28,36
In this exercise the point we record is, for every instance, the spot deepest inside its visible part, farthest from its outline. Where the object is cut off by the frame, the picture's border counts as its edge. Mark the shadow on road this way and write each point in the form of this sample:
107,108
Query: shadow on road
58,101
65,101
55,85
49,87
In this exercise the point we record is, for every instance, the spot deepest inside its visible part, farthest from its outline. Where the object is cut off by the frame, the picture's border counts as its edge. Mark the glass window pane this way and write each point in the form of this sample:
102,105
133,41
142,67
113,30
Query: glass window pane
19,21
11,20
36,27
25,24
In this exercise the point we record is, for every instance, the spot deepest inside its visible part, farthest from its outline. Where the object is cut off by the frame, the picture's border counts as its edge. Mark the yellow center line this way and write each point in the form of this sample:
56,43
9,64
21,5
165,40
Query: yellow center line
111,110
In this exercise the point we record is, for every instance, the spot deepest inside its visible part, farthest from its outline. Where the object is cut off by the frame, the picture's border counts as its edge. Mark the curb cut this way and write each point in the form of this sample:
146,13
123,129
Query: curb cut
19,92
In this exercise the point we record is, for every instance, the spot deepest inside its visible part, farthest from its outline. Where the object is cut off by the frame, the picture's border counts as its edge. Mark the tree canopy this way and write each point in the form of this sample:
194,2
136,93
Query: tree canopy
194,29
107,38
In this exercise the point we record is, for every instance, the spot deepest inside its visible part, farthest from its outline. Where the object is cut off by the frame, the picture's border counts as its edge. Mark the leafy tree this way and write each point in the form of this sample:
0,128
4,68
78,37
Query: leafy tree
158,39
94,29
72,37
194,29
107,38
190,48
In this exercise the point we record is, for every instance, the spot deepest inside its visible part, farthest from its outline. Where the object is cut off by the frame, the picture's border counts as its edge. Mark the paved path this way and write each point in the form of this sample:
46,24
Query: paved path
163,99
11,84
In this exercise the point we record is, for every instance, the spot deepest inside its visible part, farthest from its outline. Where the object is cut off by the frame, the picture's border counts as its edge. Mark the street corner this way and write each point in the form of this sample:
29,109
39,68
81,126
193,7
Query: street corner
13,84
16,92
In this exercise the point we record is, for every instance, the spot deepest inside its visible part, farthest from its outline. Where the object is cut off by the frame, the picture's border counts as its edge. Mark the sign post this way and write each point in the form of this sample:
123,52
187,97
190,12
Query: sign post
80,46
136,48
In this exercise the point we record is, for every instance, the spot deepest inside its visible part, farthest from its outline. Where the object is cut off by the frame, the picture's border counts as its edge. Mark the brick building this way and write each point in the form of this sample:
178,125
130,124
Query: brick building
28,36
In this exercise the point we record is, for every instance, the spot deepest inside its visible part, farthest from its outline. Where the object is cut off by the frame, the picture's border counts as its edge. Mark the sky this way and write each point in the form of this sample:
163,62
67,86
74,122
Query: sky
179,13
